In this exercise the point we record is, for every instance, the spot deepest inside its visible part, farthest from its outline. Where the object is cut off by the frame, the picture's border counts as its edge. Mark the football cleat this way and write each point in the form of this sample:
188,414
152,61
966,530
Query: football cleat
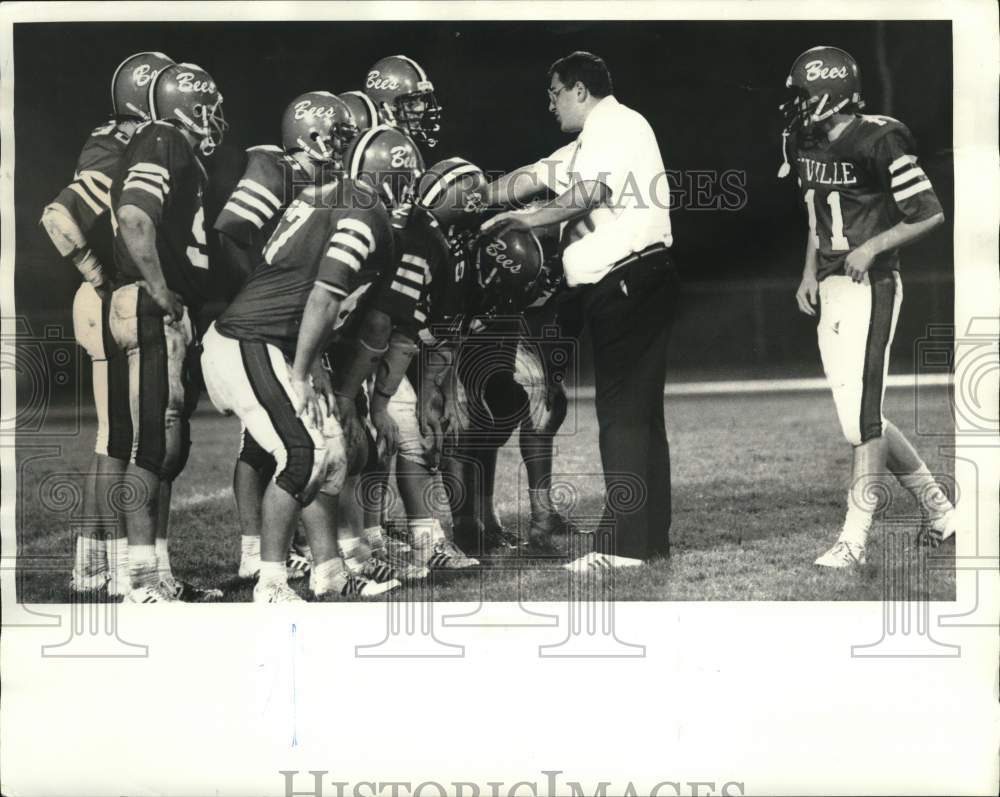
249,567
595,562
540,532
275,593
150,595
358,586
934,533
842,554
297,565
87,584
445,555
402,567
189,593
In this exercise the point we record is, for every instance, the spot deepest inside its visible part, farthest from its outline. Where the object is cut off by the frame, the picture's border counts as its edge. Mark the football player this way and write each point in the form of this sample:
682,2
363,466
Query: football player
262,359
79,226
316,129
404,97
364,113
420,408
161,251
866,197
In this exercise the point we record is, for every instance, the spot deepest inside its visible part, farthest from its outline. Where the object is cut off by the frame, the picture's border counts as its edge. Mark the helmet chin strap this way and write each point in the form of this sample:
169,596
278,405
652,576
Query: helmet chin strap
785,169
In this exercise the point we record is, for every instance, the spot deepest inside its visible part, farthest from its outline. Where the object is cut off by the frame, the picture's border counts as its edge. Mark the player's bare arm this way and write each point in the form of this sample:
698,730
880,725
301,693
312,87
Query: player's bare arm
808,293
139,233
318,319
69,240
859,261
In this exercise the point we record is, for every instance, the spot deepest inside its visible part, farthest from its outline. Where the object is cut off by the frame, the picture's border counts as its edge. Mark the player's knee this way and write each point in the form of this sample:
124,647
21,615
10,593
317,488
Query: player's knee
256,457
87,324
123,318
298,470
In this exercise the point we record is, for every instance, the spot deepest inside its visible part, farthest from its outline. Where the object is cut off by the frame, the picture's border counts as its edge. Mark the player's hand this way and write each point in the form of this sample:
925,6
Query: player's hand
430,408
169,302
305,401
557,404
502,222
858,262
808,294
323,387
387,434
355,438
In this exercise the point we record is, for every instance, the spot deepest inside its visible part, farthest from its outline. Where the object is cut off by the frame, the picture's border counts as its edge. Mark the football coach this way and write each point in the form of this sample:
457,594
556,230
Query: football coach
612,203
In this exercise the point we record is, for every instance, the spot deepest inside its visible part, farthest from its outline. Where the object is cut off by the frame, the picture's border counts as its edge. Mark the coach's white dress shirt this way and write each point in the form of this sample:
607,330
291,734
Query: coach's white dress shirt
618,148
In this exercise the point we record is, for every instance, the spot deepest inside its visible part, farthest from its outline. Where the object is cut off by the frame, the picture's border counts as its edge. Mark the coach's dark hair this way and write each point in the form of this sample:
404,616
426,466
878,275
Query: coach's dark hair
585,67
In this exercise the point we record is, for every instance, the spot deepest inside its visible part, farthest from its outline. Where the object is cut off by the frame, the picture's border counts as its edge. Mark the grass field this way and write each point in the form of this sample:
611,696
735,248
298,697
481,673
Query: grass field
759,491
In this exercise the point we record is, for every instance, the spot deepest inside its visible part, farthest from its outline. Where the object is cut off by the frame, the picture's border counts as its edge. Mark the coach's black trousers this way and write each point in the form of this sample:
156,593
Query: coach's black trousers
629,315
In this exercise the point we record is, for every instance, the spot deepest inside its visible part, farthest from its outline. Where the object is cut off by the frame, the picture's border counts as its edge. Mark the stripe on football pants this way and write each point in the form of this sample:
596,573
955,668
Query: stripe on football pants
883,291
154,385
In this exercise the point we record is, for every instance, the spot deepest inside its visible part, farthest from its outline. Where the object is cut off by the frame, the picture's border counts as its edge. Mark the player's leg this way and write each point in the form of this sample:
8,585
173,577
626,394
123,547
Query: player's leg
112,468
253,470
90,565
418,485
855,330
138,329
906,465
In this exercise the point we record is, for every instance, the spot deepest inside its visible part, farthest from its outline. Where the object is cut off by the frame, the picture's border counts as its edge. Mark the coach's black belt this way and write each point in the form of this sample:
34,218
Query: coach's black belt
635,257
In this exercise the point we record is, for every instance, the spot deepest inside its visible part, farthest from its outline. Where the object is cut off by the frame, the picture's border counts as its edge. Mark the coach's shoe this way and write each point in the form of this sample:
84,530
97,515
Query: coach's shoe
354,585
149,595
935,532
188,593
297,565
595,562
444,555
272,592
843,554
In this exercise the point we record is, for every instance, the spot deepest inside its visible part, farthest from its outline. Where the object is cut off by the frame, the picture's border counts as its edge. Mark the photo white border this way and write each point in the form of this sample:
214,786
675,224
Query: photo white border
762,694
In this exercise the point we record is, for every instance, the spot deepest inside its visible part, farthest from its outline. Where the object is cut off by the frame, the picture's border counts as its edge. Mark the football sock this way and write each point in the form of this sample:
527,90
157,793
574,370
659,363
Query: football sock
163,559
250,546
273,573
91,556
541,504
931,499
142,566
118,563
425,532
373,538
328,575
857,524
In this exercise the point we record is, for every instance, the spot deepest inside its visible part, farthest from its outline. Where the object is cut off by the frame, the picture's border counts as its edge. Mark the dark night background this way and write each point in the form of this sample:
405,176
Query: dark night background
709,89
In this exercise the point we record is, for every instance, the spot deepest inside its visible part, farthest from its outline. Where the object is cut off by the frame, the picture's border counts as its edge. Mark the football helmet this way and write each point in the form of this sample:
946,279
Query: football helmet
405,97
130,84
388,160
362,108
452,192
509,267
187,95
319,124
822,81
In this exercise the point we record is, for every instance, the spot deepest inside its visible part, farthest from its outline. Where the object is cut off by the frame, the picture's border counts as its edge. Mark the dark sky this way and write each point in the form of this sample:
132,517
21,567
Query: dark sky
710,90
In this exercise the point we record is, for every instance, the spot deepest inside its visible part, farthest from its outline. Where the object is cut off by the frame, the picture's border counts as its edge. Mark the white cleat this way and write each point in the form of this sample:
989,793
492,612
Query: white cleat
149,595
275,593
249,567
842,554
86,584
352,585
402,566
595,562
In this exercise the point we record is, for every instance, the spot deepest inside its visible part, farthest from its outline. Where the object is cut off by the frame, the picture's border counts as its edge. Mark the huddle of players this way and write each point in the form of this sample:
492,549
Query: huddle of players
362,273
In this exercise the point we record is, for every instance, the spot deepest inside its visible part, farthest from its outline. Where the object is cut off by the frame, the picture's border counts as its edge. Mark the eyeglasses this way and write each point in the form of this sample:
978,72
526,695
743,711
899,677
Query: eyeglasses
554,94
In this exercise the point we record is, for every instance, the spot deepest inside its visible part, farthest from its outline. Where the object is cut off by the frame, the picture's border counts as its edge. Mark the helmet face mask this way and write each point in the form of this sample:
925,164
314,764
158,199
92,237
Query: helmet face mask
419,114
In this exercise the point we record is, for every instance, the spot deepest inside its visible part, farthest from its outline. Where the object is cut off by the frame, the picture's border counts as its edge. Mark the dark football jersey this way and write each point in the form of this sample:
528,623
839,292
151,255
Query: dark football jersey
331,237
860,185
271,181
161,174
453,295
88,196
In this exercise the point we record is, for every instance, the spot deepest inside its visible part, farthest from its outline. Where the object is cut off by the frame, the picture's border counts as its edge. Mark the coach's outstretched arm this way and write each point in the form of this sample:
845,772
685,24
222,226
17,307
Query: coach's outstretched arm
515,188
139,233
580,198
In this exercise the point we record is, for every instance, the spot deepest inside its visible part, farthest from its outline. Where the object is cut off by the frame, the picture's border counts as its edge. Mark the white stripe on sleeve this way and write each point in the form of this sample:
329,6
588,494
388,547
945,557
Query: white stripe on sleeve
247,198
82,193
916,188
345,239
901,161
150,168
413,293
257,188
250,216
145,187
907,176
344,257
359,227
